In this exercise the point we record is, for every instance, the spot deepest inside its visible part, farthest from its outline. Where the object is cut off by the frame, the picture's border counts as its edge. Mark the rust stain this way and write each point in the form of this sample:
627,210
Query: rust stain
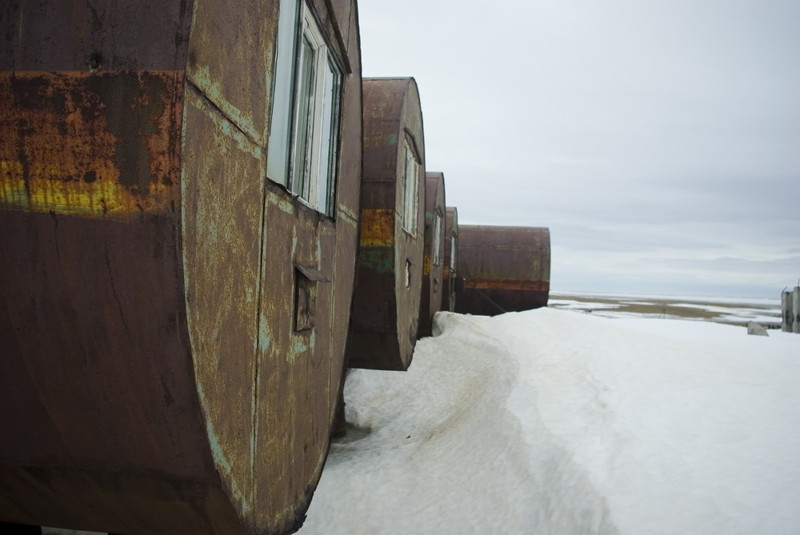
380,140
426,265
508,284
377,227
90,144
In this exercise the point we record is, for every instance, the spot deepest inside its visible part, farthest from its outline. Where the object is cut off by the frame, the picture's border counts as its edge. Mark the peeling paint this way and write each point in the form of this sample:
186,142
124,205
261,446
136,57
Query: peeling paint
69,147
213,90
380,140
377,227
282,204
426,266
220,459
226,126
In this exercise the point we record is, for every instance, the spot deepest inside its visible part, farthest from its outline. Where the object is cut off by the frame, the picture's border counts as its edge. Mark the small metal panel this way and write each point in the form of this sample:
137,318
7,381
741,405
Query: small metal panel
504,269
386,303
450,258
433,268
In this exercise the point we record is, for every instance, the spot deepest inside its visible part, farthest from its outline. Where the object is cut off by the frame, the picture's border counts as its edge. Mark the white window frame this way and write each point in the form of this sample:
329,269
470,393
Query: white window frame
410,189
303,144
437,238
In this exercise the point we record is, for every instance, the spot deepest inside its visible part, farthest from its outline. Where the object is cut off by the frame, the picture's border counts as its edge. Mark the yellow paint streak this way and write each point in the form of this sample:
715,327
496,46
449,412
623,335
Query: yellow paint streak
377,227
426,265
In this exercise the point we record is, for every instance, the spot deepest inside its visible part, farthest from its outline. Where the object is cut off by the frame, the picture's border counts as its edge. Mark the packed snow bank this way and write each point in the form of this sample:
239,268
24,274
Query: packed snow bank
556,422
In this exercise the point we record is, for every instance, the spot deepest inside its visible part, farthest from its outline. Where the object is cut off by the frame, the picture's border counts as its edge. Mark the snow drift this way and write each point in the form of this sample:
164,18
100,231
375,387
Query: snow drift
557,422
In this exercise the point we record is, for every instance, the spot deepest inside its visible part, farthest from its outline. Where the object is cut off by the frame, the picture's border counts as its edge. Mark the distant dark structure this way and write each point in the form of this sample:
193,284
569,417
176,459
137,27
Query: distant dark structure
790,310
504,269
433,264
385,313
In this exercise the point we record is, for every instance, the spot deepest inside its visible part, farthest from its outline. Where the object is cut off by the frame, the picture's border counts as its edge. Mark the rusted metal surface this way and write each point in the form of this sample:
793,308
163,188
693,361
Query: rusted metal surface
504,269
64,152
154,377
386,303
450,259
433,264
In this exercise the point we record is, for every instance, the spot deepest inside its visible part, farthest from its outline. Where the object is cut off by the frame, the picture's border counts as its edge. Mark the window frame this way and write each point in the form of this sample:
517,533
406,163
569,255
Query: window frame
304,134
438,223
410,189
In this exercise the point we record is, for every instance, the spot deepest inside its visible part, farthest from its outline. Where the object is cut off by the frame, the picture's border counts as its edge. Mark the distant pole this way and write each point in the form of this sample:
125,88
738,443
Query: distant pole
796,309
790,309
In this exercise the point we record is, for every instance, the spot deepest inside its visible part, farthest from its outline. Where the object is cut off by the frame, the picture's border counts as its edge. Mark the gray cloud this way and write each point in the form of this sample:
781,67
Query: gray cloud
658,140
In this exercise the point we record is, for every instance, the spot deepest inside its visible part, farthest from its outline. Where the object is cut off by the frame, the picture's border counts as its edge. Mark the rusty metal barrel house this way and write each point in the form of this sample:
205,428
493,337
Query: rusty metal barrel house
504,269
449,273
385,313
433,263
179,202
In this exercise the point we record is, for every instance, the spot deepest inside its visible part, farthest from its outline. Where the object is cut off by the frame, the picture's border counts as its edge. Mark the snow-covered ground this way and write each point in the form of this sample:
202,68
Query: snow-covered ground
558,422
733,311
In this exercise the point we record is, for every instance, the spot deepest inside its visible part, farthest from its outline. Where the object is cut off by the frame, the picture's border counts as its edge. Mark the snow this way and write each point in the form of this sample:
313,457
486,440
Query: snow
723,310
552,421
758,301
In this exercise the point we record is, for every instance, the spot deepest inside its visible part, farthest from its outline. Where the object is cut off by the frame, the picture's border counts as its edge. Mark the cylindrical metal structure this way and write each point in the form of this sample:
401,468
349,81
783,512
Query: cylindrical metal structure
450,258
790,310
433,264
504,269
385,313
173,322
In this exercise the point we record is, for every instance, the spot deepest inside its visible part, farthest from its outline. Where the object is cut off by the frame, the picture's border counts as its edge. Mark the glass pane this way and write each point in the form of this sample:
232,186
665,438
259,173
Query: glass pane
406,174
280,123
303,124
328,131
410,185
437,235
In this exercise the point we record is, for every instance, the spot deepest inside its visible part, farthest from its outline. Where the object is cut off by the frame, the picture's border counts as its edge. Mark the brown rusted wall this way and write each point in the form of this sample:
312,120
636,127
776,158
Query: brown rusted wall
450,259
431,296
245,239
98,35
152,381
102,423
504,269
385,313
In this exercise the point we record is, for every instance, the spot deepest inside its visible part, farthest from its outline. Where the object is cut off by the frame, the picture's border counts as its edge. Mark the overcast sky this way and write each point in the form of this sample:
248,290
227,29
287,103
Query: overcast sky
658,140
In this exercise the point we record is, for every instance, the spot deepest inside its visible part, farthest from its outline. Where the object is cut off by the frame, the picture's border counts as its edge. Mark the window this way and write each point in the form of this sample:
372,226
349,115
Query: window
410,189
305,109
437,239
